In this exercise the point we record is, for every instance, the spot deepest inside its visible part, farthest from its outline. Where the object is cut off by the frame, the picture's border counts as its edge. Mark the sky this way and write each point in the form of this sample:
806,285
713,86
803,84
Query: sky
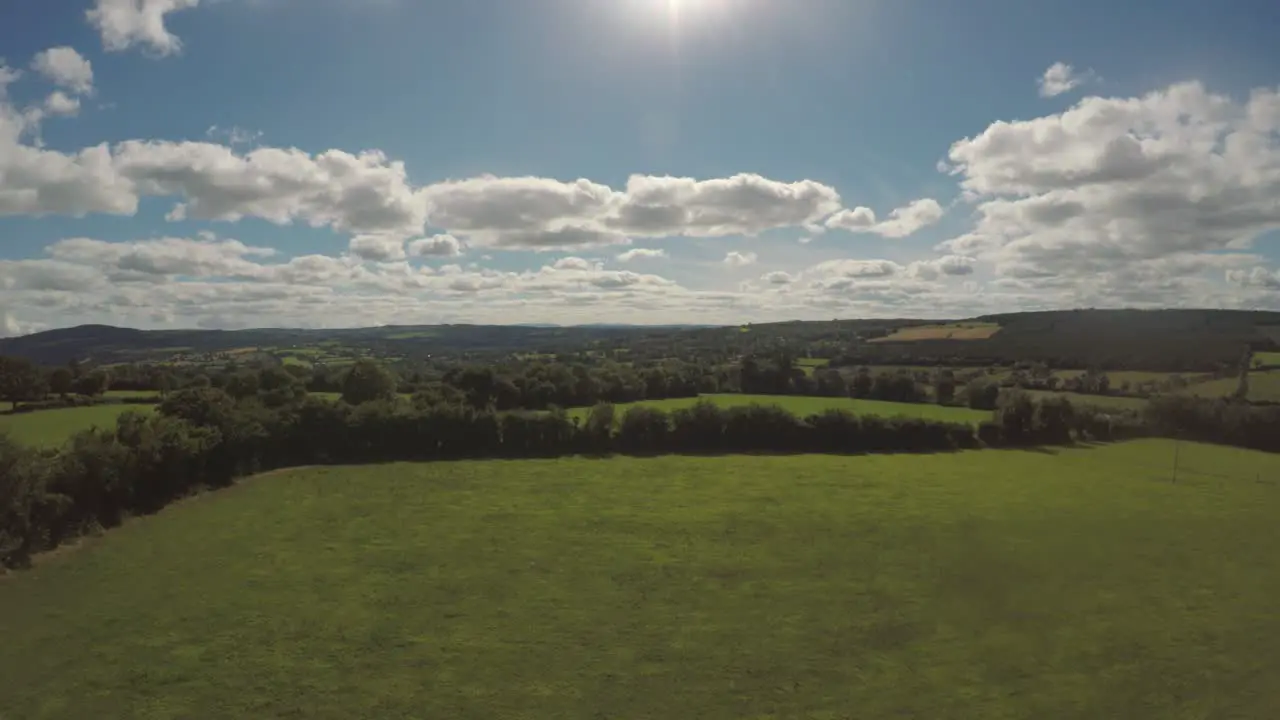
350,163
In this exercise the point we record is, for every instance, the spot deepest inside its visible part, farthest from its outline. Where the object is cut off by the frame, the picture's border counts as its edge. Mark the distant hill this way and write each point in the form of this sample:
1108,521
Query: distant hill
1173,340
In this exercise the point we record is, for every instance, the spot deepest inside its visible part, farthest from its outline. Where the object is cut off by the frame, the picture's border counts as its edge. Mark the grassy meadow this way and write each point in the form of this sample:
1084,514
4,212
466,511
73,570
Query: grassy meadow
51,428
802,405
993,584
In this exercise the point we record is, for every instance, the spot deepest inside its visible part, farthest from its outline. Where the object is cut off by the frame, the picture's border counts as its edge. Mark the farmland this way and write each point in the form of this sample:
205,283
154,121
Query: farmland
986,584
950,331
803,405
50,428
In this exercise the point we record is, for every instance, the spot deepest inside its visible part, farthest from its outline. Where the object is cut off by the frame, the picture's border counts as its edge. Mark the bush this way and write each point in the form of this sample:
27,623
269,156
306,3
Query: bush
990,434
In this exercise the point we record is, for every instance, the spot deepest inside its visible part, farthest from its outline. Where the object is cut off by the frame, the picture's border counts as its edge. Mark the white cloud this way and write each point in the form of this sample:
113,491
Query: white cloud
234,135
641,254
126,23
574,263
377,248
36,181
361,194
778,277
164,256
740,259
1123,183
950,265
855,268
902,221
1255,277
59,103
436,246
66,68
745,204
543,213
1060,78
854,220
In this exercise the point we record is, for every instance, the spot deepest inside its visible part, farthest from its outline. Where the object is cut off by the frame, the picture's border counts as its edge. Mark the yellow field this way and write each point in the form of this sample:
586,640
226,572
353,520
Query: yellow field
957,331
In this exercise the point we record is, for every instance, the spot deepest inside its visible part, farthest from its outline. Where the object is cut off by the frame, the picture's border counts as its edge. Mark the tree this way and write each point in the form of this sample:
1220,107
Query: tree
367,381
60,381
945,388
91,384
982,394
19,380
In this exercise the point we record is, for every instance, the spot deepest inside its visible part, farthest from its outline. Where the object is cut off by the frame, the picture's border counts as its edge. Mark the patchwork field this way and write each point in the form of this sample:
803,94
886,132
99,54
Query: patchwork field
802,405
952,331
987,584
51,428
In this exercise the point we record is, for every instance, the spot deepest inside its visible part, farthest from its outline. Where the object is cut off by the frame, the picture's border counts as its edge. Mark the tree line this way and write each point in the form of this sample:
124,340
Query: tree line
204,437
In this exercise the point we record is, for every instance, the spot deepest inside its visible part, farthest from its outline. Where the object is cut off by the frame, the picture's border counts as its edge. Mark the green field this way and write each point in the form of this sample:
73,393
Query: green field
1264,385
117,394
50,428
803,405
1266,358
993,584
1111,402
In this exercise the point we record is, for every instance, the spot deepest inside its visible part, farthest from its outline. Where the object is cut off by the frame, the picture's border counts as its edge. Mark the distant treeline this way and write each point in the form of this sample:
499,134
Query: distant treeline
1157,340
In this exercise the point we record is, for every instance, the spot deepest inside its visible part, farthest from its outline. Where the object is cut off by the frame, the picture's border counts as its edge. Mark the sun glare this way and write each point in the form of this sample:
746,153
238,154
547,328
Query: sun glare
678,12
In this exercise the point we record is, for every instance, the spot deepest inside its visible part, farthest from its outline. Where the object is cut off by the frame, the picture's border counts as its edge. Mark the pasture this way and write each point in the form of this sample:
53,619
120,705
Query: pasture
51,428
803,405
1108,402
1080,584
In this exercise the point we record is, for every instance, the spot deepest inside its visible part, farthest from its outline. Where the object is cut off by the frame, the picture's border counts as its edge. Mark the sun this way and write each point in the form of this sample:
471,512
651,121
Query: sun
676,12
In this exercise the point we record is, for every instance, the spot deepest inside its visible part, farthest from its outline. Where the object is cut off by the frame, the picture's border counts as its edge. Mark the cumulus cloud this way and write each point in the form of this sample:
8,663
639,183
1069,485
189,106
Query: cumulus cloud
901,222
740,259
126,23
952,265
855,268
1255,277
745,204
362,194
543,213
574,263
778,277
641,254
1060,78
36,181
436,246
377,248
205,257
1122,182
59,103
66,68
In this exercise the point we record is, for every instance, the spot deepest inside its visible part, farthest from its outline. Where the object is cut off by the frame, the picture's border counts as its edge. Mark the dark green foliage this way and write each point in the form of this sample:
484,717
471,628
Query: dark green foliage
643,430
1054,418
982,394
60,381
367,381
1016,414
19,380
91,384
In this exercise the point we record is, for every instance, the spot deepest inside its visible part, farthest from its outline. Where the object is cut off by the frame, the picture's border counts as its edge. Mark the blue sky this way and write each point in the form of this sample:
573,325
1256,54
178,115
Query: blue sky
232,163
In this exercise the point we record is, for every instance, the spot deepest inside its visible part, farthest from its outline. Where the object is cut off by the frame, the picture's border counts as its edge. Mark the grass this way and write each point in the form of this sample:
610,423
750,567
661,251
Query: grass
1116,402
1266,358
802,405
51,428
988,584
117,394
